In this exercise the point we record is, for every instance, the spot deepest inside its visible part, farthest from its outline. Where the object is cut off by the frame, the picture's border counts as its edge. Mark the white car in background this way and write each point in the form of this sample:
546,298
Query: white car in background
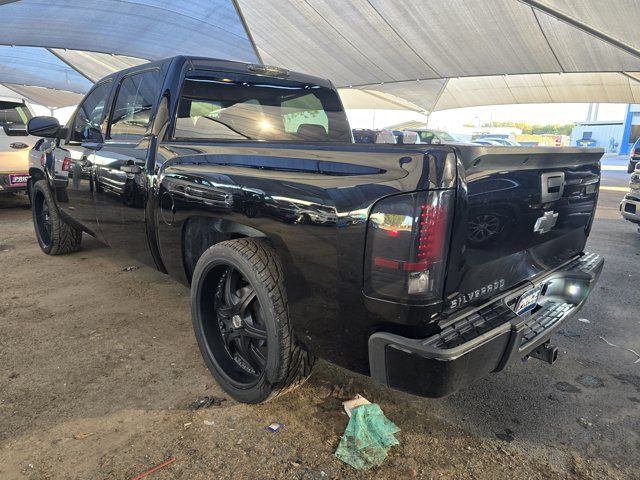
14,144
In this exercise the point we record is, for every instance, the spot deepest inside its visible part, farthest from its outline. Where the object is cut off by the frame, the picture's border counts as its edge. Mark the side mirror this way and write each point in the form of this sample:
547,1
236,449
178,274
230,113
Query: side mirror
637,170
47,127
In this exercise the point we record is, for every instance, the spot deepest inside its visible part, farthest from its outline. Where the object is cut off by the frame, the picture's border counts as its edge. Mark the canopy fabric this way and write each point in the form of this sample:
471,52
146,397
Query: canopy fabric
432,95
95,65
463,52
150,29
365,99
45,96
37,66
374,41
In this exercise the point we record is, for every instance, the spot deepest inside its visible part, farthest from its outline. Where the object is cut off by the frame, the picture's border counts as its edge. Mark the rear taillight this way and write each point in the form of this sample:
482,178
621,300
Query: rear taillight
406,247
42,160
66,164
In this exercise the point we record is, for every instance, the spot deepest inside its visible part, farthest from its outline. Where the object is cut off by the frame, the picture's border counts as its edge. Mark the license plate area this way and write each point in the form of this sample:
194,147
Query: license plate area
527,301
18,179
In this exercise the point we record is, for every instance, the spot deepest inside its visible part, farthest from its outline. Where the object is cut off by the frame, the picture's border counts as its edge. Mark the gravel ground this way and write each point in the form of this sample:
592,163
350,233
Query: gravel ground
100,366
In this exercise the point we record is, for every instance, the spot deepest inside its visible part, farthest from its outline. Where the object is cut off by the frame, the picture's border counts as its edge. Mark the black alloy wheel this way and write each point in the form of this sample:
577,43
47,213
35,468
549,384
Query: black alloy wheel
42,217
55,236
241,328
241,321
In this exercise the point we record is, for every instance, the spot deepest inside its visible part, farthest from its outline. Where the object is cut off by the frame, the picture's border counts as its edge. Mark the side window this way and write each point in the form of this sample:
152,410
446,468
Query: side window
86,125
305,110
134,104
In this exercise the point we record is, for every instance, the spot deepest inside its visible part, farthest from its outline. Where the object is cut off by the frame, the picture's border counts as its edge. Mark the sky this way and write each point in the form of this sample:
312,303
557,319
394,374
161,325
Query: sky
451,120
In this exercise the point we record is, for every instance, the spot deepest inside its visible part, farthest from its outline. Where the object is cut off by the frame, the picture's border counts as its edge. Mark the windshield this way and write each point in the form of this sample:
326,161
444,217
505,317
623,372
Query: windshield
13,113
237,107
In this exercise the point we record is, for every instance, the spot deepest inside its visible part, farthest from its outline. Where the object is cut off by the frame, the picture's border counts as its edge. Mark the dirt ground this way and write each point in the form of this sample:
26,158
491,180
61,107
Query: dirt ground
100,366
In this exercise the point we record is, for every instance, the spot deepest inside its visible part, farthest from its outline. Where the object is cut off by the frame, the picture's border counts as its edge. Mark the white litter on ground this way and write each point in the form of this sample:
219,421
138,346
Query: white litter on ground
623,348
584,320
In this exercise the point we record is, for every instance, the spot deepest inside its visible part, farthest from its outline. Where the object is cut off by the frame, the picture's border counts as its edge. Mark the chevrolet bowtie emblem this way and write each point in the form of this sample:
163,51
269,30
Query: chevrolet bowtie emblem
546,222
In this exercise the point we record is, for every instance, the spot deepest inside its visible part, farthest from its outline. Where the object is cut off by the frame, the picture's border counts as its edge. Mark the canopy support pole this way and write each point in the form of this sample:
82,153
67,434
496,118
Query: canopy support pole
63,60
582,26
246,29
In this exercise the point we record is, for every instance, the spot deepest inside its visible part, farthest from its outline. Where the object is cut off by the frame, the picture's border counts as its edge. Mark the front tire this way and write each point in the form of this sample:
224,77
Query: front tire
241,321
55,236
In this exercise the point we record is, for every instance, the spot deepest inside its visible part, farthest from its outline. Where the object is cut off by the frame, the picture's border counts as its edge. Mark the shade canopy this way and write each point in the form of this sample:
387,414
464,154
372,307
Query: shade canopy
435,54
48,97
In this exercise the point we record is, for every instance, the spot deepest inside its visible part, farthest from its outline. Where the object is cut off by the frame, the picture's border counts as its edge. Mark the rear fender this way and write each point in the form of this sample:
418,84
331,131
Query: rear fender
200,233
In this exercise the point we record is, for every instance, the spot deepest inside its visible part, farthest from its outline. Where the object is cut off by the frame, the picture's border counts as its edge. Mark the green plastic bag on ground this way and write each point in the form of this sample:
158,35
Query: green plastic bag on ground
367,438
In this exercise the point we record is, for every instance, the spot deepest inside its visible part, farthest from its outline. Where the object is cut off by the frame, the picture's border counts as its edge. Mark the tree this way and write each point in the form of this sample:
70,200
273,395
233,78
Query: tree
528,129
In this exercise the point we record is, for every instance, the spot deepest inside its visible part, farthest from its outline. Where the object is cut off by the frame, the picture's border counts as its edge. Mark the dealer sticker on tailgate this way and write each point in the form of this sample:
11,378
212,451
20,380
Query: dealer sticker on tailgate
528,300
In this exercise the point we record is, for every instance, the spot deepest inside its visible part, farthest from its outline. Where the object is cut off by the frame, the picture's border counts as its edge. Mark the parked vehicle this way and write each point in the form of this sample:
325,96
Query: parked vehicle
14,144
484,141
436,137
634,157
205,169
630,205
502,141
363,135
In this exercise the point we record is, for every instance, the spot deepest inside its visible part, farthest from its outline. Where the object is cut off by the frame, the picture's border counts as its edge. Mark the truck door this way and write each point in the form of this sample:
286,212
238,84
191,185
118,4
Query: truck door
120,165
87,133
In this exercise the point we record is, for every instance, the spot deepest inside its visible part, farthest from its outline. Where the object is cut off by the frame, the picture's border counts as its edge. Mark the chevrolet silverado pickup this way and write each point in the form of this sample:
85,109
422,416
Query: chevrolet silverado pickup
424,266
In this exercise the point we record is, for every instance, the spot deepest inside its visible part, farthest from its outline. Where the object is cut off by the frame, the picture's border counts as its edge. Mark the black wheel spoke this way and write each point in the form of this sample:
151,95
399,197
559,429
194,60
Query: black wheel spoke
243,345
229,287
246,300
255,332
257,358
248,353
232,337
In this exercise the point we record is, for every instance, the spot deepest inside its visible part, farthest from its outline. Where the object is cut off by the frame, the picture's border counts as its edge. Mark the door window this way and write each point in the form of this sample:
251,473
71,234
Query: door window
132,113
87,124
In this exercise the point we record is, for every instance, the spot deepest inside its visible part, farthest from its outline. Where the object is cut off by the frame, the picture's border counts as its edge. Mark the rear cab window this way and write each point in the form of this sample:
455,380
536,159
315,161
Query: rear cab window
225,106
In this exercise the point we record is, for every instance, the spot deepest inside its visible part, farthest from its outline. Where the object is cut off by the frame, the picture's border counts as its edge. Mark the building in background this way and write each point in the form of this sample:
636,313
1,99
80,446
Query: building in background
631,130
604,134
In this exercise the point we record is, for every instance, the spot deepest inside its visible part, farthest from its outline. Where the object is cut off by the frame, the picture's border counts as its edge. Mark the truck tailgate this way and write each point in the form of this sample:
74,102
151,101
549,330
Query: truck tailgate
520,212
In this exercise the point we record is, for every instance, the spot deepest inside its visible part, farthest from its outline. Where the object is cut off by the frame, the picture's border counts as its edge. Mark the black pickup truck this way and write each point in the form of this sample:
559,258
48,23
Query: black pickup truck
424,266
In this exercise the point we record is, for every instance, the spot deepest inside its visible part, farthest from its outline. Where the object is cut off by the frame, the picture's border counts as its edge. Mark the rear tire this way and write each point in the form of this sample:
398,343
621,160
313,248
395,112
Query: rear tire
241,321
55,236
